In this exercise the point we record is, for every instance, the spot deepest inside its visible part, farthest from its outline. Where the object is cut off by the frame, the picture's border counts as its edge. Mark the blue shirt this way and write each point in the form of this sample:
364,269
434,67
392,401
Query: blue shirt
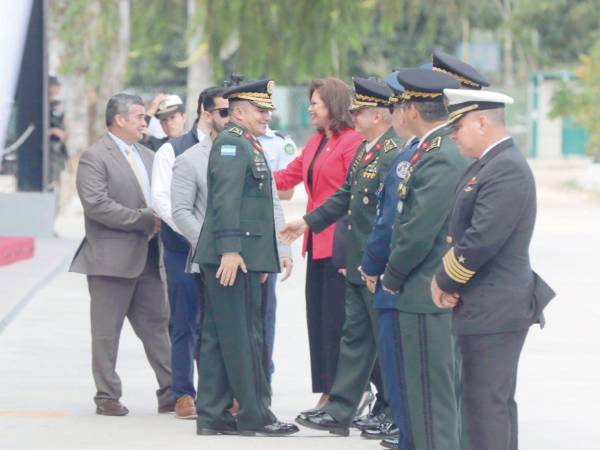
143,173
279,150
377,249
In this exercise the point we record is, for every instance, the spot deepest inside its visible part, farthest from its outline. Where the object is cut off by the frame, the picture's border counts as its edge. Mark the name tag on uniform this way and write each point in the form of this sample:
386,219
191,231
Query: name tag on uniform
228,150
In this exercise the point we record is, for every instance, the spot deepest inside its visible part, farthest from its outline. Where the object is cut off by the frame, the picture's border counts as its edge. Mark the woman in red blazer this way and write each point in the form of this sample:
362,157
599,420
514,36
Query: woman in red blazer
322,168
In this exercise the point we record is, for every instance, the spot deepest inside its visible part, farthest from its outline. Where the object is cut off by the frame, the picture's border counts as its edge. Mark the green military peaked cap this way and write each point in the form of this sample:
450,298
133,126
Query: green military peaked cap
468,76
370,93
425,85
256,92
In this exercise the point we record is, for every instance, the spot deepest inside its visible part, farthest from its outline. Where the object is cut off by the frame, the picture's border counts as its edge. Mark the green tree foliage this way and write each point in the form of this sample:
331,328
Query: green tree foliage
157,43
555,32
579,98
87,32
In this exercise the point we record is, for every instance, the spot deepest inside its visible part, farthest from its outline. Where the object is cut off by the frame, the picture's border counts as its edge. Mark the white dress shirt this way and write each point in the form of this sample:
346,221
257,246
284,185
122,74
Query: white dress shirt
162,174
142,172
493,145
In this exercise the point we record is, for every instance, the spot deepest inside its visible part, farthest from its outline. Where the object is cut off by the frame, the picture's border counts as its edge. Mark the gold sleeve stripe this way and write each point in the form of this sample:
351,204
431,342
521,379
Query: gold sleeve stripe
451,273
455,269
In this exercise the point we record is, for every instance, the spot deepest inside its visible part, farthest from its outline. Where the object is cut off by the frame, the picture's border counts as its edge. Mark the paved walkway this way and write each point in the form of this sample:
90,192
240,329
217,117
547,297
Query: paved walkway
46,386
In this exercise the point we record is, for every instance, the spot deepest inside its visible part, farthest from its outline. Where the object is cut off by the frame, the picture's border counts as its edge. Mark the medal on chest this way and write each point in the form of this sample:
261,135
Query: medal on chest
470,184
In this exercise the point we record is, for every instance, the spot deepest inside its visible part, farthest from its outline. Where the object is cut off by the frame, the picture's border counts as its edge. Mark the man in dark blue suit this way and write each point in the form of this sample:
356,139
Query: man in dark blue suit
486,274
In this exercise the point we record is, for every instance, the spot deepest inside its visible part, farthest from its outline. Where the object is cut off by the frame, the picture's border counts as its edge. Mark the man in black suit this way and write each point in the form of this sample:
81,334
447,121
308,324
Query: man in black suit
486,274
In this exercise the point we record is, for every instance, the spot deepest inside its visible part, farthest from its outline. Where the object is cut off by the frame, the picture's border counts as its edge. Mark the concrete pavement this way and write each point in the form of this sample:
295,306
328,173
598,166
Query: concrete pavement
46,386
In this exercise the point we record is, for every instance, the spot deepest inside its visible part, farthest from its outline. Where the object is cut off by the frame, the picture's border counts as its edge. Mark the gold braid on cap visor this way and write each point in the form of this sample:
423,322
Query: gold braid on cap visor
458,77
259,98
415,94
457,114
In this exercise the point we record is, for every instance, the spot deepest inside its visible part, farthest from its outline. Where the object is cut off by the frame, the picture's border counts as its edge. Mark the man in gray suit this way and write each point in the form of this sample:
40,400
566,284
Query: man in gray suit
486,274
120,254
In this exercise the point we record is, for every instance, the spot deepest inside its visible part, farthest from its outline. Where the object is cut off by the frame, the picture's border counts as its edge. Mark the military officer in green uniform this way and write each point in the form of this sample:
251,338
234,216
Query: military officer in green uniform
236,250
358,198
426,353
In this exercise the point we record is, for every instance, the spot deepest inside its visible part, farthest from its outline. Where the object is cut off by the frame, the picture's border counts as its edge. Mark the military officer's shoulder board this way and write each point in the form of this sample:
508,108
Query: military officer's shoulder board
236,130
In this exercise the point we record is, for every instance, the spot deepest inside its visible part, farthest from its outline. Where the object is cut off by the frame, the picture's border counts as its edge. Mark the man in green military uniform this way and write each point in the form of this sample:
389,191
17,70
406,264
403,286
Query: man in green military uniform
425,351
358,198
236,250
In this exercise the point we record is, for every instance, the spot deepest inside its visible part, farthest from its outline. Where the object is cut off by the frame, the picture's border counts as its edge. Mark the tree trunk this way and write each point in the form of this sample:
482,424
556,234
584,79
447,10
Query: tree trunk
114,70
200,69
509,79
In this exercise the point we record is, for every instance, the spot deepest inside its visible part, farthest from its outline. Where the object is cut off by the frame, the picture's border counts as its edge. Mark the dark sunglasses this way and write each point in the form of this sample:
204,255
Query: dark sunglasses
223,112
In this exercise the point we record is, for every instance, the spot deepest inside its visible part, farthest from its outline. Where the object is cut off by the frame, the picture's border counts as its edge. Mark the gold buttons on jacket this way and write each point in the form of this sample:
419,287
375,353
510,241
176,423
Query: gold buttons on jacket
449,239
366,200
349,227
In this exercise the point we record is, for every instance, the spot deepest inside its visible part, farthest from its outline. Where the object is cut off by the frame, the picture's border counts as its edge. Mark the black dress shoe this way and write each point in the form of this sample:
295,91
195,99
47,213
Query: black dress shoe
385,430
323,421
369,421
110,407
310,412
273,430
228,429
390,443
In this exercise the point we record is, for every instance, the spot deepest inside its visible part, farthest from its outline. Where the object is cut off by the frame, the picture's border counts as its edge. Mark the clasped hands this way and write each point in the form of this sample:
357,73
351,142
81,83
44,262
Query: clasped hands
442,299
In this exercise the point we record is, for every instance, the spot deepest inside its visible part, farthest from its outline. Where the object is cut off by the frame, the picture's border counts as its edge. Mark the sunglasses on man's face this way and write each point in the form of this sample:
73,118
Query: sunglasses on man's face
223,112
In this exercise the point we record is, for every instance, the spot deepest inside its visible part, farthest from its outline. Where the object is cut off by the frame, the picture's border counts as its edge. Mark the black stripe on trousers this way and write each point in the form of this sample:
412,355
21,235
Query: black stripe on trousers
249,328
425,382
399,360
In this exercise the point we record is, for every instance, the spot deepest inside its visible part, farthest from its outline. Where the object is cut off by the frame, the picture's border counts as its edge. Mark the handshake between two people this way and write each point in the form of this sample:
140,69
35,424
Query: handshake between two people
445,300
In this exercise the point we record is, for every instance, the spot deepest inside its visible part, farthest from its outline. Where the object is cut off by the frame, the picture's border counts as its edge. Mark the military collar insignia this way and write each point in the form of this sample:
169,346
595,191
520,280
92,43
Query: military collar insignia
389,144
236,130
432,145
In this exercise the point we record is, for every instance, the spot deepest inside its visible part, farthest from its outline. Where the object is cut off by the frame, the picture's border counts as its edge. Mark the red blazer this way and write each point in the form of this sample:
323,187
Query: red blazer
329,173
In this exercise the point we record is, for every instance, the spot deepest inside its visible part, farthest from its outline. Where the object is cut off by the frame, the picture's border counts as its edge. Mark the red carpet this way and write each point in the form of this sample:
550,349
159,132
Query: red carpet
16,248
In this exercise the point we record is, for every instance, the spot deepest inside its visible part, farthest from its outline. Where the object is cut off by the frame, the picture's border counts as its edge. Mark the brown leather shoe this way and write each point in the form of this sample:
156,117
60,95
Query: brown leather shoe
185,408
110,407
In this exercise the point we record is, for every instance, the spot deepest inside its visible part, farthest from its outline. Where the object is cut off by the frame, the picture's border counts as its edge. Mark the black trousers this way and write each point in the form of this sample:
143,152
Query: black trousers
325,298
490,363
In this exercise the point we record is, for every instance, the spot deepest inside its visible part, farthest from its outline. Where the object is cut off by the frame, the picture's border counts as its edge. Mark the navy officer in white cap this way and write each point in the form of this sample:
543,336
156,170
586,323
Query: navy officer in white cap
486,274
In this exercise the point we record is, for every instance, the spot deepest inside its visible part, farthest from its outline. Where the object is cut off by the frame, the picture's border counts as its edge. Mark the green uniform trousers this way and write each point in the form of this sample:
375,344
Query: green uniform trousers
358,351
431,364
231,357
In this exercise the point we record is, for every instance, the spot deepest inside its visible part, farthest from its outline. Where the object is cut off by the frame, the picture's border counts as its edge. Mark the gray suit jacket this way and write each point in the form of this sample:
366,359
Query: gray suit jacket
490,228
188,196
118,222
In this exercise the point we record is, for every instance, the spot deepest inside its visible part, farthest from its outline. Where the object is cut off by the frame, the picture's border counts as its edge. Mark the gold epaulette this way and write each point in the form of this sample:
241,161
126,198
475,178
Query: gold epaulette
389,144
236,130
455,269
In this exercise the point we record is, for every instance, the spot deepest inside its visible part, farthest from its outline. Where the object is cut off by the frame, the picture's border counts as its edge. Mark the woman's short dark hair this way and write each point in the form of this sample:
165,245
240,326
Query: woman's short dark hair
337,97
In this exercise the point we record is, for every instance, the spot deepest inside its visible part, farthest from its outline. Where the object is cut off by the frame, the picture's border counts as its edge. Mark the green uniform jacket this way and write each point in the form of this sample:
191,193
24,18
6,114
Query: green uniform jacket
239,210
420,229
357,197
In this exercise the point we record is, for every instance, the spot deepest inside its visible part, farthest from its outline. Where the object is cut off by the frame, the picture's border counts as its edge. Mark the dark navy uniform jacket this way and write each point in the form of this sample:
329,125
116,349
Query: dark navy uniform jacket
490,228
377,249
